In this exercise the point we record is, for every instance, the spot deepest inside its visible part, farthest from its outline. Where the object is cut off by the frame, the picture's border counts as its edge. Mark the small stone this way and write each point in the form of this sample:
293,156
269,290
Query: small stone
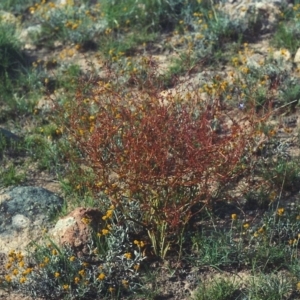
20,222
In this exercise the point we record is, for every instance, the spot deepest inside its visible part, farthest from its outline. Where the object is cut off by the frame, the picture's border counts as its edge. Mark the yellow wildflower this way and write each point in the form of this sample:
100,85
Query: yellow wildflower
105,231
27,271
76,280
261,230
86,220
127,255
101,276
20,256
15,272
22,279
280,211
233,217
21,264
246,226
125,283
109,213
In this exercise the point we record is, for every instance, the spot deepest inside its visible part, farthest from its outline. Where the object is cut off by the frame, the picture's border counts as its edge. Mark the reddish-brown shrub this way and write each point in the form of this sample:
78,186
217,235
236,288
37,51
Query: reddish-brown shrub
165,156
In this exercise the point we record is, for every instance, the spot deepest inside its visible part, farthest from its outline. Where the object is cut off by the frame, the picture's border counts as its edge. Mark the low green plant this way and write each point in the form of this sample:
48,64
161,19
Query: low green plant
212,249
10,144
20,84
117,45
11,56
68,23
274,286
11,176
271,243
284,175
152,15
16,6
217,289
49,151
288,28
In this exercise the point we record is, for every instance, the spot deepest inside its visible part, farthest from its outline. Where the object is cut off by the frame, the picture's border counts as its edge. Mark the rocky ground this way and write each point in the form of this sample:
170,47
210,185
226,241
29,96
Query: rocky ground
25,208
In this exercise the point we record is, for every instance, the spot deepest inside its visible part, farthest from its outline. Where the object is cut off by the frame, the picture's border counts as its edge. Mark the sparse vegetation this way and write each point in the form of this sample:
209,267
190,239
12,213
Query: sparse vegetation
163,115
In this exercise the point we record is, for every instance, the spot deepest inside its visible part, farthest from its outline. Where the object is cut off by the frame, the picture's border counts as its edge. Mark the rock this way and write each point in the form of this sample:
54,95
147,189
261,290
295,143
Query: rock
9,136
24,212
75,229
297,57
26,36
187,89
282,54
242,11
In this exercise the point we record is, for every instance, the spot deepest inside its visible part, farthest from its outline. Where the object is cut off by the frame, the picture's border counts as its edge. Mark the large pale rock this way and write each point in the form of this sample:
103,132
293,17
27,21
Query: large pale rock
297,57
75,229
24,212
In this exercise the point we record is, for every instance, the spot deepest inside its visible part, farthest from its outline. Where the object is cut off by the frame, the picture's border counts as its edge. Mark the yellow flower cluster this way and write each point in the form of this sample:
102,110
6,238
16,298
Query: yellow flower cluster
103,232
140,244
72,25
109,213
127,255
17,265
260,231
